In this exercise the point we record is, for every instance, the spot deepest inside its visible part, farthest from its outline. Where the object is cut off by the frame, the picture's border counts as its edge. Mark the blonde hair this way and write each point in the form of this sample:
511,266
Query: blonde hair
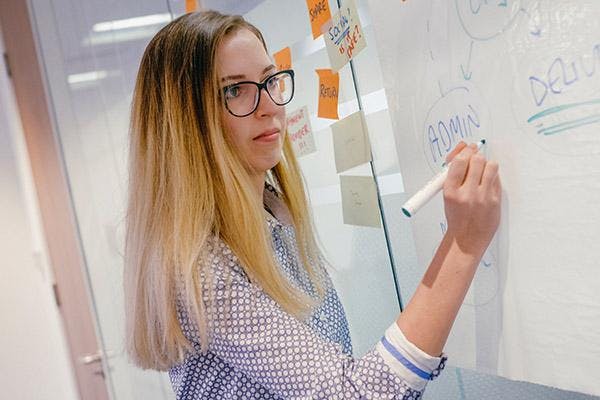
187,185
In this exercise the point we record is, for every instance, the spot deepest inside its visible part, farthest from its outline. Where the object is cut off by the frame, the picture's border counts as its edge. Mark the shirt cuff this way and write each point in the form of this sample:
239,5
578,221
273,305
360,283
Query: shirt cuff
408,361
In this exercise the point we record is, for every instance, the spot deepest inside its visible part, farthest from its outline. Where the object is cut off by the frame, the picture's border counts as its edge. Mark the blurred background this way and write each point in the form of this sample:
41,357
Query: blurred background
66,80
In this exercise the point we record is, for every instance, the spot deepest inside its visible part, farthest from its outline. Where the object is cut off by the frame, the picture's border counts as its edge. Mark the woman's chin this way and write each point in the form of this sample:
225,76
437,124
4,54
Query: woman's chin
266,164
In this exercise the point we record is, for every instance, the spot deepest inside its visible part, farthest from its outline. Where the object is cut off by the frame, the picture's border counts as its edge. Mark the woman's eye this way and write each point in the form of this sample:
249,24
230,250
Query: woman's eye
273,82
233,92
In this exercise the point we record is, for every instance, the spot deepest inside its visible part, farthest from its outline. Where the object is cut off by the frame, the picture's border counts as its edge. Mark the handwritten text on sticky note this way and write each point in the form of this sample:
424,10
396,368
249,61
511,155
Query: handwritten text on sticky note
283,59
300,132
359,201
350,142
329,85
319,13
344,36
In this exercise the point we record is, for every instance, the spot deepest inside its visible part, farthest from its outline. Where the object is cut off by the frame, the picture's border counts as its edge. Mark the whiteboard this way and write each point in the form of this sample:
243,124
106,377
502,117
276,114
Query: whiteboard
525,75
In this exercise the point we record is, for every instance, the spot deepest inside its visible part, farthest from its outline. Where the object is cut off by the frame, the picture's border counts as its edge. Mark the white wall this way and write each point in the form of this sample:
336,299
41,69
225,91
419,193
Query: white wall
34,361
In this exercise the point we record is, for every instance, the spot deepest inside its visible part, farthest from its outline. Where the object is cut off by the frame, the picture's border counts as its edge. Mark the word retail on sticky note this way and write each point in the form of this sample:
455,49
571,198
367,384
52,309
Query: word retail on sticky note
319,13
329,87
300,132
359,201
344,36
351,142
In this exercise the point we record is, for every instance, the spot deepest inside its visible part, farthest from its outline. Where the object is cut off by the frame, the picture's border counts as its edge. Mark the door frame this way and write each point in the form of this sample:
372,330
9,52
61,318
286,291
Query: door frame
72,290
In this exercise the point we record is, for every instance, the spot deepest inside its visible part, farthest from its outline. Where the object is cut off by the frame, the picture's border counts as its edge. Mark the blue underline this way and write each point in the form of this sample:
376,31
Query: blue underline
343,36
570,125
556,109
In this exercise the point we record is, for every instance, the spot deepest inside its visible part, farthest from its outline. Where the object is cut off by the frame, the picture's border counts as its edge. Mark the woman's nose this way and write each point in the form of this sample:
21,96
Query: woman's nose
266,105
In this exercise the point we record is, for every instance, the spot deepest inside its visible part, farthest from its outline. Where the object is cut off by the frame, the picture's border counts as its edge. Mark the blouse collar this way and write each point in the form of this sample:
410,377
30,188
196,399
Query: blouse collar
272,198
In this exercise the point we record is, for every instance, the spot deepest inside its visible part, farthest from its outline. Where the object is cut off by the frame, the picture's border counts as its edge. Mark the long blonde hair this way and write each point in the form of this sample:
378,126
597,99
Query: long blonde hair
187,185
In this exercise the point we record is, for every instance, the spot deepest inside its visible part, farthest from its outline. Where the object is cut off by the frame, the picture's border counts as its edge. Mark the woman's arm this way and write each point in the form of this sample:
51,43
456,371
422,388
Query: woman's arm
472,195
253,335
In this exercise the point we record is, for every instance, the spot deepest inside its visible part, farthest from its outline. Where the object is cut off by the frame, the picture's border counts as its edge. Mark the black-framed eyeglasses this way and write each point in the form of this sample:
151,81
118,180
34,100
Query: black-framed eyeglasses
242,98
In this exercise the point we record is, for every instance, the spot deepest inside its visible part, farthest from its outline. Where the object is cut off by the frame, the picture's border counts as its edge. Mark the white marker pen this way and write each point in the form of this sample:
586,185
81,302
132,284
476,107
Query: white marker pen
432,187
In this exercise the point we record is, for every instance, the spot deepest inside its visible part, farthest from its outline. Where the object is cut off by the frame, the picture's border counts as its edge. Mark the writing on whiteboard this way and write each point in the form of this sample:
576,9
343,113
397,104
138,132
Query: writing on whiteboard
444,135
564,73
477,4
458,115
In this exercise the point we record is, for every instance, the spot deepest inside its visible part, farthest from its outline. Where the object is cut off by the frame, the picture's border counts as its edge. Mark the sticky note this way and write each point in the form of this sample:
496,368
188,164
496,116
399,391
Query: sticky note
359,201
350,142
319,13
300,132
191,5
329,85
344,36
283,59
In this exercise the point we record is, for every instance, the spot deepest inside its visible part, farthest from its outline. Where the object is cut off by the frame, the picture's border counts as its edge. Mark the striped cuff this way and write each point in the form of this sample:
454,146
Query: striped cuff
408,361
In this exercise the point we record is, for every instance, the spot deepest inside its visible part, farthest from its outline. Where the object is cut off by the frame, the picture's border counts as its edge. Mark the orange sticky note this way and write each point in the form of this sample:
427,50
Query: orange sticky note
319,13
283,58
190,5
329,87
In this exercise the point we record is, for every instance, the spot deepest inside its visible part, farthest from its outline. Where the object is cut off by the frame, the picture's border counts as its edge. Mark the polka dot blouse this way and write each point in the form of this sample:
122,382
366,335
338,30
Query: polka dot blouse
258,351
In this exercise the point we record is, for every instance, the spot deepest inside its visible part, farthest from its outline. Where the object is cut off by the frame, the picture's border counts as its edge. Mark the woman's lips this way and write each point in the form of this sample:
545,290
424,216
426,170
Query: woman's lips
268,136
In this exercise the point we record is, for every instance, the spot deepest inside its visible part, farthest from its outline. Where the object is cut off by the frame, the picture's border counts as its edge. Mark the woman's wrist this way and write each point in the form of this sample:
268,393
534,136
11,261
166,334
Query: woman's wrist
469,249
427,319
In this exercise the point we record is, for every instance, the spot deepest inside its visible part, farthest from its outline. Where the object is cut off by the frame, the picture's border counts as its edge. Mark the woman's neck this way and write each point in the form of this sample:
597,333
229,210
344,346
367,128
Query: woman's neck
258,183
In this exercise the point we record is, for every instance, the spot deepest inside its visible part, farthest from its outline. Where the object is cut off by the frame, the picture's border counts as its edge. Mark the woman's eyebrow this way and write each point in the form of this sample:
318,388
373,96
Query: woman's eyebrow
236,77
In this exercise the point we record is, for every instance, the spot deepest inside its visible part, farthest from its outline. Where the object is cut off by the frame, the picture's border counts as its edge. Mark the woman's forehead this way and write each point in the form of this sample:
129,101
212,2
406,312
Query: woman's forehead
241,55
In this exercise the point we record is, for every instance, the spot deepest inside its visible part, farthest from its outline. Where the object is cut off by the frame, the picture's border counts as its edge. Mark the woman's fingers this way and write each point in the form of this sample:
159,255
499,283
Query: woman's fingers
489,175
497,187
459,166
475,171
461,145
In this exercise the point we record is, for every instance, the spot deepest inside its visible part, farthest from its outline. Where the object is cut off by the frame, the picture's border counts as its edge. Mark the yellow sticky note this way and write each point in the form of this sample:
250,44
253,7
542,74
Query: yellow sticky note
191,5
329,85
344,36
319,13
359,201
351,142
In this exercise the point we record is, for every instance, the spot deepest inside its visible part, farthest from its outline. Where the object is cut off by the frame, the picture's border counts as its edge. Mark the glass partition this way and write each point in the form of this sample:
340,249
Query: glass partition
90,63
359,255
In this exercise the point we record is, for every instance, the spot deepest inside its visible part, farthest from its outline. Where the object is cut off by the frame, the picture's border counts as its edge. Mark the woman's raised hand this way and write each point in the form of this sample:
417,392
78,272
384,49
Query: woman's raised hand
472,197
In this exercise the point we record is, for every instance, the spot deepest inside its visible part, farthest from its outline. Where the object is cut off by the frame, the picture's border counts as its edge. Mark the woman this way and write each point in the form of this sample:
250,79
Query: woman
225,285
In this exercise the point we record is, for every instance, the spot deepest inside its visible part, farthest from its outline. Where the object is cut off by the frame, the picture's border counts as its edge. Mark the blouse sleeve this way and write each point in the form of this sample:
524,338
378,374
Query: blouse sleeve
254,335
